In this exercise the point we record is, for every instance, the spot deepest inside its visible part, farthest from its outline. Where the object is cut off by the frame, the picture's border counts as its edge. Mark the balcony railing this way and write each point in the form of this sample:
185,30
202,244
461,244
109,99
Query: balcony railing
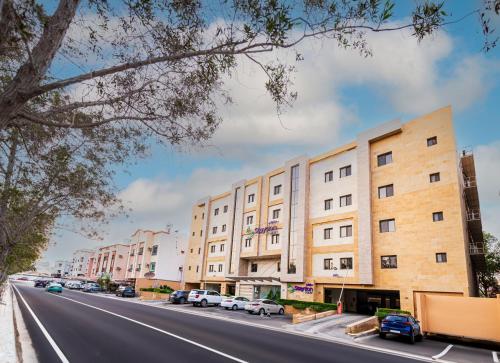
476,248
473,215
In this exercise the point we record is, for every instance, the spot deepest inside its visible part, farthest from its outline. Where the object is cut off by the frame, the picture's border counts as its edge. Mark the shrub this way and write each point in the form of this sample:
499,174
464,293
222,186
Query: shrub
381,313
316,306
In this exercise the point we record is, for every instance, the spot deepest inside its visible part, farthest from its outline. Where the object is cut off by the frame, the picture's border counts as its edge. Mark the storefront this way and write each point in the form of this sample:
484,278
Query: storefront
363,301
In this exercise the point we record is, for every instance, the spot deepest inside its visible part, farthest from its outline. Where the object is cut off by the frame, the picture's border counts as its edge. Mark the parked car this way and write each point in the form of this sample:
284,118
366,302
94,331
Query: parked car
91,287
54,287
264,306
204,297
74,285
127,291
41,283
401,324
234,302
179,297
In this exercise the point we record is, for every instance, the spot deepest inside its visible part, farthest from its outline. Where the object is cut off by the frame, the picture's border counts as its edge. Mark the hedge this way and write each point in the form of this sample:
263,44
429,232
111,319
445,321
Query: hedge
300,305
163,290
381,313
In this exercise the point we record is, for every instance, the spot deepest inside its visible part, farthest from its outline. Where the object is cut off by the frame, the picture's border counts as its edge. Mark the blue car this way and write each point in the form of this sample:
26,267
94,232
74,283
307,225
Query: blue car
400,324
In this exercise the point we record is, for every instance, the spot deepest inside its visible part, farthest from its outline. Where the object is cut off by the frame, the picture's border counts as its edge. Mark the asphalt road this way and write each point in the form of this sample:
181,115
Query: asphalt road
120,331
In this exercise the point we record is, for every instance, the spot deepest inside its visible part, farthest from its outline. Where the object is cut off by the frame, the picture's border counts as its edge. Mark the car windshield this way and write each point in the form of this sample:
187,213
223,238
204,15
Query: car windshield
396,318
198,291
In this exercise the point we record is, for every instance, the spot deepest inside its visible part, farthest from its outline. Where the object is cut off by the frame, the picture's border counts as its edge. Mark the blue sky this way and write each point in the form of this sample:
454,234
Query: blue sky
340,94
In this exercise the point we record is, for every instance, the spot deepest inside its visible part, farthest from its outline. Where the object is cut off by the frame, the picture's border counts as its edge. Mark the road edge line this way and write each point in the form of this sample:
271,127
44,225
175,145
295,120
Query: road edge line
51,341
443,353
28,353
495,357
158,330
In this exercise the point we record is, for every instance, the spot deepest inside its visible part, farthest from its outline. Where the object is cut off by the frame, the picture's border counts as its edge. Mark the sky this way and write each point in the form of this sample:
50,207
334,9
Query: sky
340,94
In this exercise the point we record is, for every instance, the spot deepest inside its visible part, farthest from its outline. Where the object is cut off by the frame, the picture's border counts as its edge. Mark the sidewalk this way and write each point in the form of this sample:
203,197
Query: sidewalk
7,331
329,327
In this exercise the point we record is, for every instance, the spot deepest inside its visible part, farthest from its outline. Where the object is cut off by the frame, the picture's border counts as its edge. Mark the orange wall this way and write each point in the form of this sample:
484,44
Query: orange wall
145,283
470,317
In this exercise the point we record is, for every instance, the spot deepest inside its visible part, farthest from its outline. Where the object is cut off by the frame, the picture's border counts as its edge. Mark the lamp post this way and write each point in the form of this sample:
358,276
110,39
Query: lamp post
339,302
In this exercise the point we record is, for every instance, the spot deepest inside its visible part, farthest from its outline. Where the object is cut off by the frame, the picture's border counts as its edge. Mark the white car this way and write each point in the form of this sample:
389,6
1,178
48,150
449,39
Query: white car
204,298
74,285
264,306
234,302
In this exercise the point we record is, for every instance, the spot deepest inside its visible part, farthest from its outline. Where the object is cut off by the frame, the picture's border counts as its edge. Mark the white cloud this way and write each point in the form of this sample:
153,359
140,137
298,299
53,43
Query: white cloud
487,159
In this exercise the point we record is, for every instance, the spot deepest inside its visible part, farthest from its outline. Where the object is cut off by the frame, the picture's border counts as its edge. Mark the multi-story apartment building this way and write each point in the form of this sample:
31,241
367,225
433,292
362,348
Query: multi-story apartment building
80,262
109,260
390,214
61,268
159,255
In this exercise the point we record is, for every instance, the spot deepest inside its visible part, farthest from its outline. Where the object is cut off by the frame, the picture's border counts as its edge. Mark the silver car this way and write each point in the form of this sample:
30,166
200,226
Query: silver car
264,306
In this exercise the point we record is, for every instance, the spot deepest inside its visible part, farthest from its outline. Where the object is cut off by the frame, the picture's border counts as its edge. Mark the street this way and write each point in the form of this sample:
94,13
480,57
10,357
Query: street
88,328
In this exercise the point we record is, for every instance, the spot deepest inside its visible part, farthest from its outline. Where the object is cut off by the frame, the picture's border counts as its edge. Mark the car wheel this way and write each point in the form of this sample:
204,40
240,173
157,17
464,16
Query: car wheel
182,300
235,307
194,304
262,312
412,337
281,312
203,303
382,335
419,337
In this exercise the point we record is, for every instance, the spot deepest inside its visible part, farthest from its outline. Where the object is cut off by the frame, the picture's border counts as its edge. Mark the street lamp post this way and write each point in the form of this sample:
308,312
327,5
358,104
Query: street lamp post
339,302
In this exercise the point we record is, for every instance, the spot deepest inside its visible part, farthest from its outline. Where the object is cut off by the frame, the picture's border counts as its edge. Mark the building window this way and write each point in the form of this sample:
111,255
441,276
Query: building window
225,209
189,268
346,263
152,266
141,251
210,268
275,239
203,215
278,266
431,141
277,189
199,250
193,233
132,253
386,191
223,228
191,250
346,200
441,257
387,225
251,198
212,249
345,231
328,204
276,214
327,233
389,261
216,212
249,219
384,159
214,230
220,267
222,247
195,217
138,267
437,216
328,264
154,250
345,171
434,177
328,176
201,232
248,242
253,267
197,268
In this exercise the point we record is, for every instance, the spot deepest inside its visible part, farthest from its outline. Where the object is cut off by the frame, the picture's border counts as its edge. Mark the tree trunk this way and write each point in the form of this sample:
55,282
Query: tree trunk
29,75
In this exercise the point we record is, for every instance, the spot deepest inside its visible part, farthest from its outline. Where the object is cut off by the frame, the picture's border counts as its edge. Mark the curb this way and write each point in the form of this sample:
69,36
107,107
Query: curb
8,353
27,352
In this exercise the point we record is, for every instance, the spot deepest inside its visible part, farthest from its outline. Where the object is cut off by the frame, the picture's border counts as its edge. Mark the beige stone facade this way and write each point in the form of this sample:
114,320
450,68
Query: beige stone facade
387,216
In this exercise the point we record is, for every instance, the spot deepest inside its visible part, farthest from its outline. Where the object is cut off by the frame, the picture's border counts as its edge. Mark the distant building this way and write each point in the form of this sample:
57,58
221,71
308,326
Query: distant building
108,260
156,255
61,268
80,262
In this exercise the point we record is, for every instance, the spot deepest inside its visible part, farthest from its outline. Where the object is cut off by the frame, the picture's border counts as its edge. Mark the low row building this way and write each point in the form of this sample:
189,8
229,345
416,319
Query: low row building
152,255
391,214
